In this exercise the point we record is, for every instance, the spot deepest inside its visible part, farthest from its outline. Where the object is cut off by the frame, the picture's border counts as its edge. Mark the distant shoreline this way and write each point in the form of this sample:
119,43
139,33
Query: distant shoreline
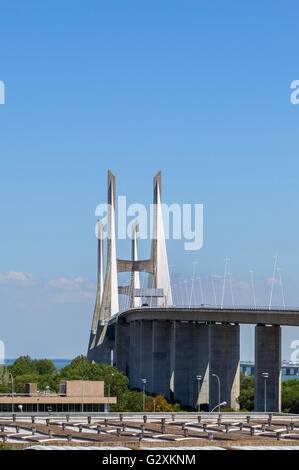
58,363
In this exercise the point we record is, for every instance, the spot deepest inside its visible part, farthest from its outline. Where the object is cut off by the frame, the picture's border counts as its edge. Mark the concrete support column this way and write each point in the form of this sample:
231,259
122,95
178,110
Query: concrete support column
161,332
134,355
146,354
190,357
201,365
104,342
172,353
267,359
183,363
122,344
225,363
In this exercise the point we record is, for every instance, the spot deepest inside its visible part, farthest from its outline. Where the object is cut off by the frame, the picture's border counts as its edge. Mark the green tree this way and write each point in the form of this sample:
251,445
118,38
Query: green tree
246,397
20,381
131,400
4,446
158,403
50,380
4,380
21,366
176,407
290,396
78,368
44,366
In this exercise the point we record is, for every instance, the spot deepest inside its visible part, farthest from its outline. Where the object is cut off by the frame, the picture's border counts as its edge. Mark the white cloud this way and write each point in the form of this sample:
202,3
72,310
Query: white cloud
16,276
275,281
217,276
69,297
60,290
75,289
74,284
243,284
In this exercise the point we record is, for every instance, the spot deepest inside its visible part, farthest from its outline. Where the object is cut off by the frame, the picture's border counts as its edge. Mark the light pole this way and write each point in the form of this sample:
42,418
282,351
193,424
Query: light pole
198,378
12,391
82,404
109,384
215,375
265,375
143,398
218,406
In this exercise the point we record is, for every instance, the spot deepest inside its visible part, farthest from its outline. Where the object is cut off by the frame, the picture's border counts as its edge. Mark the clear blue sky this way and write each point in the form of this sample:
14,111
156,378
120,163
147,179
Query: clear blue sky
197,89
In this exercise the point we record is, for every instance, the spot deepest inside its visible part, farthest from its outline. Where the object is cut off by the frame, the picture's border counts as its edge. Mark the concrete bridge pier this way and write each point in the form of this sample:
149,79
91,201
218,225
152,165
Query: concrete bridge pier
189,357
104,343
149,357
122,346
146,355
224,340
161,334
201,365
134,355
267,360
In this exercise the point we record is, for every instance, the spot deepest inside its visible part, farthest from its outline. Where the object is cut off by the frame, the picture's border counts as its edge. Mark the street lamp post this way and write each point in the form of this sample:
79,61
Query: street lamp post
143,398
265,375
198,378
218,406
215,375
82,404
12,391
109,385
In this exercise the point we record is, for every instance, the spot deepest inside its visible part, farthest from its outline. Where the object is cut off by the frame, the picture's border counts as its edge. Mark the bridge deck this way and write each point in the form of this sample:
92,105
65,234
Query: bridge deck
244,315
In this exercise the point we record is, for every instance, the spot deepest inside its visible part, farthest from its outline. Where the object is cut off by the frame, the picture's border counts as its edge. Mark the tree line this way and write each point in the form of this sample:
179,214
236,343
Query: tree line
44,373
289,395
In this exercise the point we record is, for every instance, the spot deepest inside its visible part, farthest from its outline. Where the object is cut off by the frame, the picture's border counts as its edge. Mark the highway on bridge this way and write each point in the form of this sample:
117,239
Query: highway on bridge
243,315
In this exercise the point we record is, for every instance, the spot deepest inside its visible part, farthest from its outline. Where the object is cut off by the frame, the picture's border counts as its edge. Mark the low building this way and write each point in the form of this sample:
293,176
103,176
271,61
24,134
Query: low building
74,395
289,371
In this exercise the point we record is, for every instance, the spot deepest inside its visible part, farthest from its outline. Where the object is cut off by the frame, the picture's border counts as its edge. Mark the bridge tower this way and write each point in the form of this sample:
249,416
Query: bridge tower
158,292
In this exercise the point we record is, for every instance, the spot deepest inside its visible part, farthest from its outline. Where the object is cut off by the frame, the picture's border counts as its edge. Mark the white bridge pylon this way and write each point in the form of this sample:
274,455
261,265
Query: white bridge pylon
158,292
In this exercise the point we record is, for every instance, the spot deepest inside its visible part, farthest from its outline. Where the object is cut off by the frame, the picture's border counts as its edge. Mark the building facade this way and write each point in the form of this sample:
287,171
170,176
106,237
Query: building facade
74,395
288,371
